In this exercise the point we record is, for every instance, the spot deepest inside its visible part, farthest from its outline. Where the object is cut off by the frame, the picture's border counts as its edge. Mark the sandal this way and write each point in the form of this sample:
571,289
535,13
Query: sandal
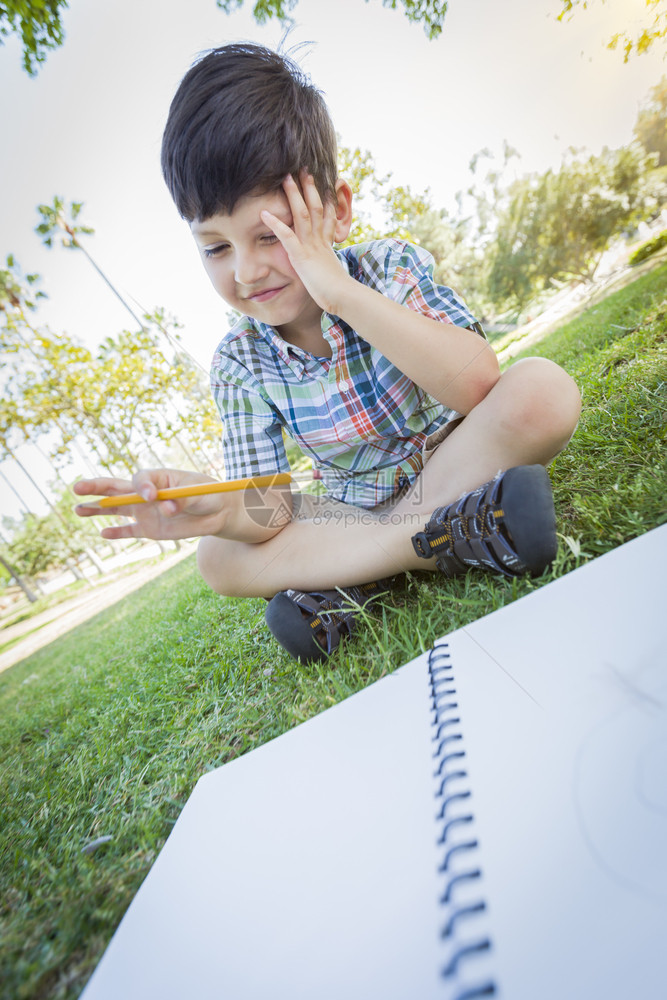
507,525
310,626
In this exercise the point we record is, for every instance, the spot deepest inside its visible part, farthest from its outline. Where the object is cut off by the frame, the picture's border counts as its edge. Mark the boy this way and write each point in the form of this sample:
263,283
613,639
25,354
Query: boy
381,376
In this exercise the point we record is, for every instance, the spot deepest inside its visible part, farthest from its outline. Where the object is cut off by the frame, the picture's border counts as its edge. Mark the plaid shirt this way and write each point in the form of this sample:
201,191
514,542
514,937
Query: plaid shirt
361,420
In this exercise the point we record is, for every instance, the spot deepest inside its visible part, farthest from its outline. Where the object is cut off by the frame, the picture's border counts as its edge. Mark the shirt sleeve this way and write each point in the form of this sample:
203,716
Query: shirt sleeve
409,280
252,434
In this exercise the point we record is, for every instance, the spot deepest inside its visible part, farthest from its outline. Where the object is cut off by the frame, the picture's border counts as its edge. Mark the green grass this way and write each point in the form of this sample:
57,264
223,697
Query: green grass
105,732
610,482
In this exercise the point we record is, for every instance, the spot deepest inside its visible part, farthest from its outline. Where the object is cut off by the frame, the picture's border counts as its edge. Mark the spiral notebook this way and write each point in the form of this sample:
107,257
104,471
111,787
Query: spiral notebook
488,820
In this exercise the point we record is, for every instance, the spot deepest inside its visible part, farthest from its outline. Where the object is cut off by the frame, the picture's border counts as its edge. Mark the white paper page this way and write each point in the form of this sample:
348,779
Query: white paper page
563,704
304,869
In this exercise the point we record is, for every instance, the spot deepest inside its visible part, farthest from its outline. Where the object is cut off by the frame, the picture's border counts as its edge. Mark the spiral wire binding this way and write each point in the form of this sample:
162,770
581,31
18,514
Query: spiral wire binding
460,895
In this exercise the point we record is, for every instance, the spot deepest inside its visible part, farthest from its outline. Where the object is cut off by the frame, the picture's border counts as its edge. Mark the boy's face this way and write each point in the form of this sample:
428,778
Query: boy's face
250,269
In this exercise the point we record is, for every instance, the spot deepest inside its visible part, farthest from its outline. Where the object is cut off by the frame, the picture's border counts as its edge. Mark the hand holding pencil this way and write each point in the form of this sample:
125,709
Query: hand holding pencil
171,503
196,490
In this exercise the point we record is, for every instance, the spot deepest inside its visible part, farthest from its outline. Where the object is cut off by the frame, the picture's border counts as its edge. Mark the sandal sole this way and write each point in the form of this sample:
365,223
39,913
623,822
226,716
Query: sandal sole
530,517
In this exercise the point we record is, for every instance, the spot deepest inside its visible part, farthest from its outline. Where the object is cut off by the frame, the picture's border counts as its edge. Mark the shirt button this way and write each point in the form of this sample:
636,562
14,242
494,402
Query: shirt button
343,386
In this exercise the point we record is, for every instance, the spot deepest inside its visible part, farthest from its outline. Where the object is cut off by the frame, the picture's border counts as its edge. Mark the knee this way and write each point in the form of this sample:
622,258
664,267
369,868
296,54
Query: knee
544,402
216,564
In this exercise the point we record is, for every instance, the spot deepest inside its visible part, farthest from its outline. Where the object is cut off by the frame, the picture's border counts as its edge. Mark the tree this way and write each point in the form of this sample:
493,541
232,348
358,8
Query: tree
14,574
37,545
358,167
11,420
589,202
651,126
58,221
383,209
430,13
16,289
34,358
557,225
513,258
39,22
39,25
38,542
474,228
118,401
648,34
52,384
137,380
447,238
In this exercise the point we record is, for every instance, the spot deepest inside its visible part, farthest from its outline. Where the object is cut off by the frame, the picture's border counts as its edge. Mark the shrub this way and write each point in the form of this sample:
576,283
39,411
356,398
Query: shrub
649,248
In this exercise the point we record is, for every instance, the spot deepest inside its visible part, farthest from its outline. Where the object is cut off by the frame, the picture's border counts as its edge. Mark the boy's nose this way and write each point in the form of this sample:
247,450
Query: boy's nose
249,269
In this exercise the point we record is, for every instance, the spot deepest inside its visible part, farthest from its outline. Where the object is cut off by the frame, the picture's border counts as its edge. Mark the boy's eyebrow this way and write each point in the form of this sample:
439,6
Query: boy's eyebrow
206,233
199,229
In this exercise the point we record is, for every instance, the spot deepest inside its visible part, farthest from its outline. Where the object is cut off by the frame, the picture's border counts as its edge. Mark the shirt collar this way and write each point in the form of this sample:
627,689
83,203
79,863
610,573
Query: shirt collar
294,357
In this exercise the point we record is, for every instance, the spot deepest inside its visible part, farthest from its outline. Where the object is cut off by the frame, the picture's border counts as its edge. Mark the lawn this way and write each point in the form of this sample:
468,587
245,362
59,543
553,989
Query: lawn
105,732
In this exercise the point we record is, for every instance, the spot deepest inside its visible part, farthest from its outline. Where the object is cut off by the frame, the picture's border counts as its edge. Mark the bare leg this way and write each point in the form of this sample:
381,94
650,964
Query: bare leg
527,418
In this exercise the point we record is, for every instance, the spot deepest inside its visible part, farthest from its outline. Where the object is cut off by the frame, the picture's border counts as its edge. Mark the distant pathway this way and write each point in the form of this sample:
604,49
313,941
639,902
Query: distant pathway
58,620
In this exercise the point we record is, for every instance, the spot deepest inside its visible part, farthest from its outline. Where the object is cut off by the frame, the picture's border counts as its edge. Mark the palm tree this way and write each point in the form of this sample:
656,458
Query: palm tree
56,219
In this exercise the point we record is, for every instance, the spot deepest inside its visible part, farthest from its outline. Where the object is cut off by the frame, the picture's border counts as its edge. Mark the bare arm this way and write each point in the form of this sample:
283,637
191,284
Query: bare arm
454,365
451,363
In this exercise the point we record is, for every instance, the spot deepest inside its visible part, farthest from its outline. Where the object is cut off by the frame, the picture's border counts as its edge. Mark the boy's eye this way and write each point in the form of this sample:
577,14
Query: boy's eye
215,251
270,238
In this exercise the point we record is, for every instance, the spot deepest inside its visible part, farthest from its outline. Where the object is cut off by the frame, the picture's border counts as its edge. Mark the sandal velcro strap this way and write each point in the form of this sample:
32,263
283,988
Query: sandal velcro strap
507,526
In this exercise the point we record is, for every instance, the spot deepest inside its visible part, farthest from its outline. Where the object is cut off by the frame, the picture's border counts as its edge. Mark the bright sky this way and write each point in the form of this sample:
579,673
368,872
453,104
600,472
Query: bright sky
89,126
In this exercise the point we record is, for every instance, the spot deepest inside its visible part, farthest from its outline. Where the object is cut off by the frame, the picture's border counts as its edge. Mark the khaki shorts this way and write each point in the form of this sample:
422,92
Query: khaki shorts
307,507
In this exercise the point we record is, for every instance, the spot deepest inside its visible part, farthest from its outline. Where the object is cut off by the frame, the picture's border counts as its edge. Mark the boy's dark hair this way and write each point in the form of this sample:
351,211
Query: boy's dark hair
242,119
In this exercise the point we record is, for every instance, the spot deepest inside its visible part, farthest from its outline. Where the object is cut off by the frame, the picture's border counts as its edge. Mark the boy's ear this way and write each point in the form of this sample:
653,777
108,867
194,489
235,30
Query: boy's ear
343,210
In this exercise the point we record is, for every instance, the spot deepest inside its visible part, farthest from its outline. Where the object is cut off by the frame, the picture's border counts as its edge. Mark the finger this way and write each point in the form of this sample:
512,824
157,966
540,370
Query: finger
122,531
167,508
92,509
311,195
277,226
329,222
88,510
101,487
300,210
284,233
147,482
145,488
322,213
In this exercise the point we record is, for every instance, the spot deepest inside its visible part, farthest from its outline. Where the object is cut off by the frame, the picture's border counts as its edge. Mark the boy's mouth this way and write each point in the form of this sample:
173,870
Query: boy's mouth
265,294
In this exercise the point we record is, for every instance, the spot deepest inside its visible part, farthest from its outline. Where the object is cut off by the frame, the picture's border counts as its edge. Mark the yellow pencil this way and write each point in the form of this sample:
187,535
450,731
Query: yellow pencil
197,489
